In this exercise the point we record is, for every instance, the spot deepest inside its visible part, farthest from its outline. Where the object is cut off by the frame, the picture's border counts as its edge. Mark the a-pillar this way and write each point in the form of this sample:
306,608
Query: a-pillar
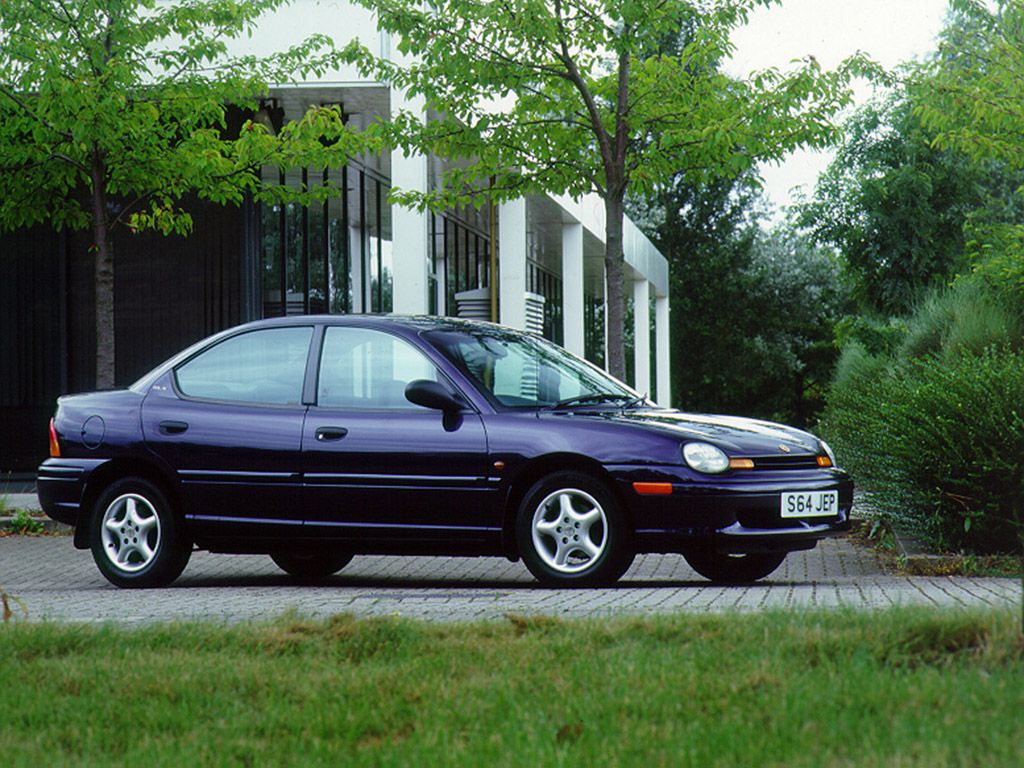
572,287
409,228
512,263
661,353
642,335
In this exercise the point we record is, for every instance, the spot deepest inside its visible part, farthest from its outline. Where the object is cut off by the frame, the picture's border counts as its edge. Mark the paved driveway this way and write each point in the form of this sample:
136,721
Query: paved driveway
58,582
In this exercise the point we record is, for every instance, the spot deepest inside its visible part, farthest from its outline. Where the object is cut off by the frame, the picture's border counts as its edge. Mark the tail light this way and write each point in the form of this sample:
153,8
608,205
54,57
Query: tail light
54,442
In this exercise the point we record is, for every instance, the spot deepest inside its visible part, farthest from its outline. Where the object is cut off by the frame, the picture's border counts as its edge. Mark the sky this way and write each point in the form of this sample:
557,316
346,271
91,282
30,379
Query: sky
890,31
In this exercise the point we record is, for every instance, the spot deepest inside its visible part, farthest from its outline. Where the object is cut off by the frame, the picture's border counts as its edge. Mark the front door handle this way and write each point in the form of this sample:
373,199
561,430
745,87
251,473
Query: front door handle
172,427
327,434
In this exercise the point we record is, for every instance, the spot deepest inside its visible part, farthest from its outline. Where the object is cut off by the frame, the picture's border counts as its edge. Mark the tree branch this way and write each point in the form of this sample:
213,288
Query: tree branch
603,140
65,135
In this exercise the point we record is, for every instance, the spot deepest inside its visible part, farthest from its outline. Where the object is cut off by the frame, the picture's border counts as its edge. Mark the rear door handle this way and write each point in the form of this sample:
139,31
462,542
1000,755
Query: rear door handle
327,434
172,427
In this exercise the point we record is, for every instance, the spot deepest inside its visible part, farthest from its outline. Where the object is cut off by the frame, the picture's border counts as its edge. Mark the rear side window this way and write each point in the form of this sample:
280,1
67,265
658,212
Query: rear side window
266,366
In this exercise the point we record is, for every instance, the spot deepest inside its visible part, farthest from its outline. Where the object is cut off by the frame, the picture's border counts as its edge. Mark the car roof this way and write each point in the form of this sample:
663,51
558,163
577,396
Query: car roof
412,322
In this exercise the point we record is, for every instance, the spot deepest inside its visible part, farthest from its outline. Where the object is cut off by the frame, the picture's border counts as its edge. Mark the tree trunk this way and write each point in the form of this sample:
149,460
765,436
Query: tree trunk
103,276
615,354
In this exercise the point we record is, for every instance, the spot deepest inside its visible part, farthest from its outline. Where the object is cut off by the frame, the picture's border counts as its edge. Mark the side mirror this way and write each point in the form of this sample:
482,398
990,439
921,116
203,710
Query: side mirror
433,394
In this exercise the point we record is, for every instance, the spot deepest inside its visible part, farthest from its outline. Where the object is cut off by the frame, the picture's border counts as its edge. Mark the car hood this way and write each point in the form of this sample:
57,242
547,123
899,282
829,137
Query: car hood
734,434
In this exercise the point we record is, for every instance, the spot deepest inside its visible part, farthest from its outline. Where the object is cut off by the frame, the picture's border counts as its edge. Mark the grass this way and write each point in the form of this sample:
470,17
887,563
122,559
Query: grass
894,688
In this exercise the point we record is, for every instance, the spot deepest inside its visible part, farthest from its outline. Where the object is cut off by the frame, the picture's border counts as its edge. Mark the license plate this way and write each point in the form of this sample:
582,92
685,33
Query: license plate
810,504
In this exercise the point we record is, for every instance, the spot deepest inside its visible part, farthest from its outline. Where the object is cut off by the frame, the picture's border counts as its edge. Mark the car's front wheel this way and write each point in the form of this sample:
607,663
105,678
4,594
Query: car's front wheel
734,569
137,539
311,566
571,532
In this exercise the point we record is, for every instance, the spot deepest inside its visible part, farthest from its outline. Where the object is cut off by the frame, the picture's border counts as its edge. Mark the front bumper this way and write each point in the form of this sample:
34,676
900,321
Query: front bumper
735,512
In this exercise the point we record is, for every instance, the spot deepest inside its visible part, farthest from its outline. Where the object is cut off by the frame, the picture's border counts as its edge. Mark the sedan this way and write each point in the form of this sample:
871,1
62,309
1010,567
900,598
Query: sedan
314,439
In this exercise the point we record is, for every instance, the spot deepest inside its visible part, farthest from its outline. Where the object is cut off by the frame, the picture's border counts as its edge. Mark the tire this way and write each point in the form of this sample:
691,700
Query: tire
597,551
311,565
734,569
136,537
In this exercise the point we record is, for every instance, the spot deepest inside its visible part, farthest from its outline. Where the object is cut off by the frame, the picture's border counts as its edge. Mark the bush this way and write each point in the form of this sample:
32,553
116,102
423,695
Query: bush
969,317
940,443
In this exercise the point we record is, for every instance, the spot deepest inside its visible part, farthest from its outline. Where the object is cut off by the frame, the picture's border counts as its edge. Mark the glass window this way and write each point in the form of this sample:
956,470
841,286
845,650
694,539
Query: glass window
519,370
266,366
363,368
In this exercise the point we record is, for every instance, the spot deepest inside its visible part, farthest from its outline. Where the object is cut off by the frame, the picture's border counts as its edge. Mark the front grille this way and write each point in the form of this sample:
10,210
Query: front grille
785,462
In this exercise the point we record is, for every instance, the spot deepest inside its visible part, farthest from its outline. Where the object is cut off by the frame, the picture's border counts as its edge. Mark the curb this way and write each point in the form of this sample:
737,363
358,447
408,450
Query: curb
918,561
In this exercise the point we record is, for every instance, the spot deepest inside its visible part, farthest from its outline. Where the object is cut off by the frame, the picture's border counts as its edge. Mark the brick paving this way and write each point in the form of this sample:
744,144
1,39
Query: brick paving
57,582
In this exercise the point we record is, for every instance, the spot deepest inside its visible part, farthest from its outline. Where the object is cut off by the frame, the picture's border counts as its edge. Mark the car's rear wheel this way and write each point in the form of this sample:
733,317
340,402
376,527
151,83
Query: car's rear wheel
312,565
572,533
137,539
734,569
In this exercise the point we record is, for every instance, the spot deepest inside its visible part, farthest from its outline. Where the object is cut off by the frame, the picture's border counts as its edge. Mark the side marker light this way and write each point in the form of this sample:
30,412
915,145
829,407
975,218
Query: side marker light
653,489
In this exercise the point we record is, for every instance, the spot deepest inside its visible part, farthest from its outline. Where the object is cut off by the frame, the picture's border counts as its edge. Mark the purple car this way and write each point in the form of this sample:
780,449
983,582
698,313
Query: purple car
313,439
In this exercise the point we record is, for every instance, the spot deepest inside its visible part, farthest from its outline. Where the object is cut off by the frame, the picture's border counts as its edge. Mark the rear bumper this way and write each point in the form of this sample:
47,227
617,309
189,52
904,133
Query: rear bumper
60,484
735,512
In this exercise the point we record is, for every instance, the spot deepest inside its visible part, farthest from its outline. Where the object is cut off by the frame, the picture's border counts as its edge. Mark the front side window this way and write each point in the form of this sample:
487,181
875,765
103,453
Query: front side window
266,366
519,370
367,369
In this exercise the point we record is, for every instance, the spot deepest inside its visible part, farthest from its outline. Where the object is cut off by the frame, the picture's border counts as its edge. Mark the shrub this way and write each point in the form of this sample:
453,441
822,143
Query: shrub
969,317
940,443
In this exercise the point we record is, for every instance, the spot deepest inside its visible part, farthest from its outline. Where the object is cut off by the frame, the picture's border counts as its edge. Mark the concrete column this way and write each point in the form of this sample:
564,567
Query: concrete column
662,356
642,335
409,228
360,292
512,263
572,287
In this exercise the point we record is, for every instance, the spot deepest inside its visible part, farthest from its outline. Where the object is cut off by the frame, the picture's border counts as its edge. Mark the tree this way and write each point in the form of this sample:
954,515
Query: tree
895,206
707,233
112,111
753,311
973,90
575,96
972,97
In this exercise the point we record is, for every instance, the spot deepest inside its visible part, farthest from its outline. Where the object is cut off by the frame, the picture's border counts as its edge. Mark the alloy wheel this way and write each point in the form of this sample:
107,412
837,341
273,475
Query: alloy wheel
569,530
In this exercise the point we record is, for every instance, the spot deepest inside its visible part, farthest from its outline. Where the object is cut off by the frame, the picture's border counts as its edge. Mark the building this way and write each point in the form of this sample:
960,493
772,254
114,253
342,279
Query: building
355,253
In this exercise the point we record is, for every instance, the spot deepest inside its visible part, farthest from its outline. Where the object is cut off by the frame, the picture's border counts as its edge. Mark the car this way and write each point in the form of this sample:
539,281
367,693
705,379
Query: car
316,438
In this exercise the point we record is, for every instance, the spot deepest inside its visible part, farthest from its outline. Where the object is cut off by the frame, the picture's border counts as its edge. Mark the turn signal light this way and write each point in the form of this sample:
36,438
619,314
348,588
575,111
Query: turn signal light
823,461
741,463
653,489
54,443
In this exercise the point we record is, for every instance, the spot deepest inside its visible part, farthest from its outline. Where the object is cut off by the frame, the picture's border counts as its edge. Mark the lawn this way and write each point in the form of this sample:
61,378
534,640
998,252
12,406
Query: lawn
894,688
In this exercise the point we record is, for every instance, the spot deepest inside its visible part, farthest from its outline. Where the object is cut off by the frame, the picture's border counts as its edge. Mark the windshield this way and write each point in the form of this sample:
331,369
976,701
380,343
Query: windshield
527,371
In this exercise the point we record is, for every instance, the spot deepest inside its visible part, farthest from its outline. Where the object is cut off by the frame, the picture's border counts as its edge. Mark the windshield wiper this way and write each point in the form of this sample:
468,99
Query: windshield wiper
633,403
591,399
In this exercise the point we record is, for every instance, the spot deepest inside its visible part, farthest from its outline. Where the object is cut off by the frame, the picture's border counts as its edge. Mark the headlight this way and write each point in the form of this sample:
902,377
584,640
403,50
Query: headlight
828,452
705,457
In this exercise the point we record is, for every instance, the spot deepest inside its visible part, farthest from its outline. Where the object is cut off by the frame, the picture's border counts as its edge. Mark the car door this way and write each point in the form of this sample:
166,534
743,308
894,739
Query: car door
228,421
376,464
